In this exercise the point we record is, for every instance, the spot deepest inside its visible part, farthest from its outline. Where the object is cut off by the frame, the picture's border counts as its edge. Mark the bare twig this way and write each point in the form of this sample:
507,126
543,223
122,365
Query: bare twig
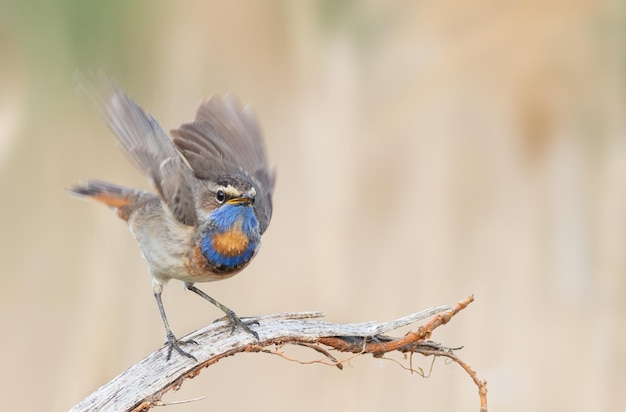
142,385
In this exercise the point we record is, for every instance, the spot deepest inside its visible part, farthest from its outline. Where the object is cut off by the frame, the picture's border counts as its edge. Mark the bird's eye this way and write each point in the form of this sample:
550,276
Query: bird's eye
220,196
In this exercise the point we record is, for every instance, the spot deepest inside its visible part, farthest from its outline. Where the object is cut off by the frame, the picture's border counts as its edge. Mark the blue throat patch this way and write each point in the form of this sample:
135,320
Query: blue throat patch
223,220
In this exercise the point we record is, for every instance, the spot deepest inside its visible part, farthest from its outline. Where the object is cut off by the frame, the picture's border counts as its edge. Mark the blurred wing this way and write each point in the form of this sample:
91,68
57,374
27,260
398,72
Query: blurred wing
145,143
224,139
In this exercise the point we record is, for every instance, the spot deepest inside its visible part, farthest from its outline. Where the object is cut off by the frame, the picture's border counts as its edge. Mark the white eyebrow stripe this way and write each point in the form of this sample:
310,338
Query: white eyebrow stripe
231,191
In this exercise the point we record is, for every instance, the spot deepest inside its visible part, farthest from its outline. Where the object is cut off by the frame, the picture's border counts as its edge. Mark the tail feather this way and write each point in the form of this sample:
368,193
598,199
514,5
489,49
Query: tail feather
122,199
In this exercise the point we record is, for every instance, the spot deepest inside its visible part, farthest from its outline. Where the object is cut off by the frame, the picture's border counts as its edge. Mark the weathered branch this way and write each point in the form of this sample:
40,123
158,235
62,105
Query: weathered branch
142,385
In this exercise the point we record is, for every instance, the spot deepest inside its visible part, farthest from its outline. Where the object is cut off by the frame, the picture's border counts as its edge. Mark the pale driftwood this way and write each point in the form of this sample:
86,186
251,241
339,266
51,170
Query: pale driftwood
142,385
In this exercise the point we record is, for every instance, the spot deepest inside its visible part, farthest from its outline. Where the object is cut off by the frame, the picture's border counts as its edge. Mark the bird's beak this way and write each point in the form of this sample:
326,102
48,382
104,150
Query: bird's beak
242,201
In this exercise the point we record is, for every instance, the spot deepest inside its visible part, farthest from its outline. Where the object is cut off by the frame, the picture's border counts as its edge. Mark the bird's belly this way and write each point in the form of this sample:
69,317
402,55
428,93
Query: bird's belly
166,260
171,252
164,244
185,266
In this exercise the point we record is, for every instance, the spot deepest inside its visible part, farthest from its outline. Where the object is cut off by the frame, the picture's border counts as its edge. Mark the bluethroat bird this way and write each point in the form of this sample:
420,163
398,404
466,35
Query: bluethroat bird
213,197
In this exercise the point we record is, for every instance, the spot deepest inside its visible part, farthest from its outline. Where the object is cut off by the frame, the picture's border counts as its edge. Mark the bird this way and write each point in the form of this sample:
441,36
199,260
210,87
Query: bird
212,198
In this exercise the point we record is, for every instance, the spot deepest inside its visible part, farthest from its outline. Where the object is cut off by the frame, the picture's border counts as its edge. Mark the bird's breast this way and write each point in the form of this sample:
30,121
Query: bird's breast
230,243
228,251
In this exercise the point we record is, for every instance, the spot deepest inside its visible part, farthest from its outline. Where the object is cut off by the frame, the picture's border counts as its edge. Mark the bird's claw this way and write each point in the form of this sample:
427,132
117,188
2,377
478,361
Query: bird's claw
174,344
235,321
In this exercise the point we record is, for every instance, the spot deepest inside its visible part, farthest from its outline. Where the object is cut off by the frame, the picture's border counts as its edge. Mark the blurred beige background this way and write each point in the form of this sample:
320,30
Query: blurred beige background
425,151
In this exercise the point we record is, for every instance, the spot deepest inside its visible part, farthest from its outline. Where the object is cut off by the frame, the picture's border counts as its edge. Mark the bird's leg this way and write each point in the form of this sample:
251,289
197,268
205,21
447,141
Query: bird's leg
233,319
172,342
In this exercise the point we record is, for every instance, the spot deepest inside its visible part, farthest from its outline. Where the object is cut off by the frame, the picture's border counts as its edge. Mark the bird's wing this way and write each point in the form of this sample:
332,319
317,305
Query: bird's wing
225,139
145,143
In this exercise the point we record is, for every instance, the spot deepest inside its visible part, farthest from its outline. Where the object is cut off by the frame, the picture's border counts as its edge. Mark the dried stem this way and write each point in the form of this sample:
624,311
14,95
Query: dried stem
153,376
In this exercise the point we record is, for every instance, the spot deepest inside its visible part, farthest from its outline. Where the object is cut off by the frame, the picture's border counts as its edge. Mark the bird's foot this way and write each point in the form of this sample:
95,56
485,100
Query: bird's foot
174,344
235,321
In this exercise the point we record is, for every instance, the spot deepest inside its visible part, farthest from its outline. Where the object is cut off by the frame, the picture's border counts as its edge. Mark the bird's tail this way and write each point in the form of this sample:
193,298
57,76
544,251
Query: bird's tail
121,199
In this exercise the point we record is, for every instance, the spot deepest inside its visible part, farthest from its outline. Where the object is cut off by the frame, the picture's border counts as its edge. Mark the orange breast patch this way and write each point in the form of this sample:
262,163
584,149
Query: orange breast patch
230,243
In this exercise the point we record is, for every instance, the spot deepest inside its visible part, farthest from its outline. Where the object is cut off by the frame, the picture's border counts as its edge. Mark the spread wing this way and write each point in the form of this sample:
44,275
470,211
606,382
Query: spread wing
145,143
223,139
